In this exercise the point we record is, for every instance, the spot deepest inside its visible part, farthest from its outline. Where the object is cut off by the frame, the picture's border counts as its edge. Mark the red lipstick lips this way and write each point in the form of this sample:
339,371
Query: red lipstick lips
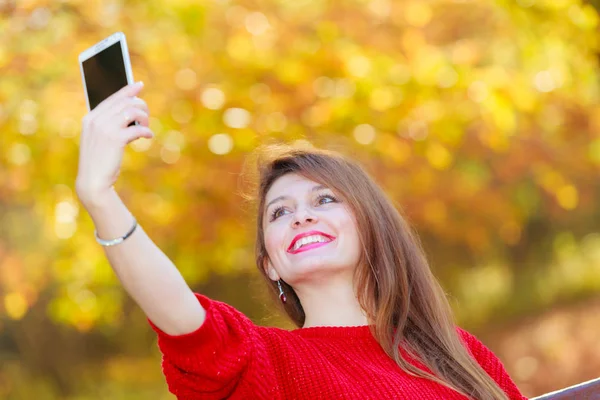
310,245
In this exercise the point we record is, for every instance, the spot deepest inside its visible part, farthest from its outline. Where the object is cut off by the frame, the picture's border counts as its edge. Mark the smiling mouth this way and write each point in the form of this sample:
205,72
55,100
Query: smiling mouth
309,242
308,247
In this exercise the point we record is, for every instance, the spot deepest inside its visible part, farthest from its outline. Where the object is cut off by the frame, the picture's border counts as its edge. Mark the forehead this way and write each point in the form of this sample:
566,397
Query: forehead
290,185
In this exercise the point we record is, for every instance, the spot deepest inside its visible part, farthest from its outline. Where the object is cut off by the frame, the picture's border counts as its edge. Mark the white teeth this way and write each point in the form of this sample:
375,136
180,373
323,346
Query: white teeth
309,239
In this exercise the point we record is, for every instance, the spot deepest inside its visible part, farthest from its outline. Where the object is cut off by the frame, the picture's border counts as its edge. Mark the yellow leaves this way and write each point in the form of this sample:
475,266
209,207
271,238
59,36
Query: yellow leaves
478,91
186,79
524,99
317,115
380,8
549,179
358,65
257,23
392,148
87,309
477,237
364,134
182,111
583,16
427,64
567,197
245,140
132,370
383,98
422,181
78,307
557,5
399,74
483,288
435,212
465,52
19,154
161,210
501,115
555,183
220,144
495,140
276,122
594,152
65,214
327,31
418,13
240,47
292,72
15,305
4,57
438,156
510,232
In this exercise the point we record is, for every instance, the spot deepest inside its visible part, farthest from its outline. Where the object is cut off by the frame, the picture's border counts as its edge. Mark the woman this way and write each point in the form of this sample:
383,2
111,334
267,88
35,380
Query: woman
373,321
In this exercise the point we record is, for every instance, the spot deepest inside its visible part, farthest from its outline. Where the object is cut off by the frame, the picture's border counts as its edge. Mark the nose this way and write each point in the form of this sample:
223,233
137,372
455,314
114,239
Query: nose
303,216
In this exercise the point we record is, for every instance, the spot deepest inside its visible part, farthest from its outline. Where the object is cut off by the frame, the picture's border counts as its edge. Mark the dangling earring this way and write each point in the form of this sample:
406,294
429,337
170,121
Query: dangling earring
281,294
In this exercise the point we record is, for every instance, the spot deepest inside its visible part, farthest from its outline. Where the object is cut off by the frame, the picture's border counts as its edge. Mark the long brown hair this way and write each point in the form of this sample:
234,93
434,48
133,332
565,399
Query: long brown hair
404,303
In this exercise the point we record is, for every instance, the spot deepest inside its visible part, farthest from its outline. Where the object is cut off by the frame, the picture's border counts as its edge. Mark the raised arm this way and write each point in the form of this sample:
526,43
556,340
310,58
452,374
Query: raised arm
144,270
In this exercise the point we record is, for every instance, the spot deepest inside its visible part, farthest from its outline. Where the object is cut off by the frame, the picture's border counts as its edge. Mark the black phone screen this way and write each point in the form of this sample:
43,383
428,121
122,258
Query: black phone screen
104,74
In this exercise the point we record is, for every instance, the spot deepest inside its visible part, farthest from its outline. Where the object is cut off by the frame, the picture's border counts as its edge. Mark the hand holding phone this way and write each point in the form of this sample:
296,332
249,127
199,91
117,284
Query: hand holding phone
114,105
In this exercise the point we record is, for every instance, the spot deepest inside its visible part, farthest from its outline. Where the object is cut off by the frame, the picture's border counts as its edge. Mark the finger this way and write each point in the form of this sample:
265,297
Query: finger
129,90
135,132
136,102
126,91
141,104
132,114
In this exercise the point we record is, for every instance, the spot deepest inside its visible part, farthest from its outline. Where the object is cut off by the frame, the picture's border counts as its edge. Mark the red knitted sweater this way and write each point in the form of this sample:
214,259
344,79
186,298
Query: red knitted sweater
230,357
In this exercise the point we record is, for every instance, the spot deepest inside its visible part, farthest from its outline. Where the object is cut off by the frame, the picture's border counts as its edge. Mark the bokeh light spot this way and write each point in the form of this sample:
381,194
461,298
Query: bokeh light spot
15,305
237,118
364,134
257,23
185,79
358,66
568,197
212,98
418,13
220,144
276,122
544,82
438,156
19,154
478,91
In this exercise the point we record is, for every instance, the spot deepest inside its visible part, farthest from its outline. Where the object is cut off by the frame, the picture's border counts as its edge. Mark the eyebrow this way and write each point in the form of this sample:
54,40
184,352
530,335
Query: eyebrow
276,199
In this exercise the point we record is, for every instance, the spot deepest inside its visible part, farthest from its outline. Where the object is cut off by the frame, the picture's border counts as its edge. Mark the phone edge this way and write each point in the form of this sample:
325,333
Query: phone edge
97,48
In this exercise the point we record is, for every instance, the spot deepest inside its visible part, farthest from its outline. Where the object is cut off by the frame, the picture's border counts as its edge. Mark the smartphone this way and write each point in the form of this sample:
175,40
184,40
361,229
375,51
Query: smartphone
105,69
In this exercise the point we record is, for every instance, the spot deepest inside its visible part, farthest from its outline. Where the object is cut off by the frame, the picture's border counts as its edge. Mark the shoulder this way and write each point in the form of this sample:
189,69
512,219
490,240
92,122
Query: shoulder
490,363
477,349
229,318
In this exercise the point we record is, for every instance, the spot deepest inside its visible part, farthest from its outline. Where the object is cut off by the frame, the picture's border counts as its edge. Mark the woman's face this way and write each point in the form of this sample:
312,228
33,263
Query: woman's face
310,233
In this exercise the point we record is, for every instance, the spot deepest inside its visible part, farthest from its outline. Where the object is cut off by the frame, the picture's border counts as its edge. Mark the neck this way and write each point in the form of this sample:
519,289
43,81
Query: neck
330,304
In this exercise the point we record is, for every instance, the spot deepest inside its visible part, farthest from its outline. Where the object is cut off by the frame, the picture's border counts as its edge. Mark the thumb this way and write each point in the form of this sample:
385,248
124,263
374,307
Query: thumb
138,131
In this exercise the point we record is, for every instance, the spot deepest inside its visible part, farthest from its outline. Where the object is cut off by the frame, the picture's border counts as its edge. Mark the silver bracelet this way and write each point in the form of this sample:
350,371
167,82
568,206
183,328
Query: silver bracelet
114,242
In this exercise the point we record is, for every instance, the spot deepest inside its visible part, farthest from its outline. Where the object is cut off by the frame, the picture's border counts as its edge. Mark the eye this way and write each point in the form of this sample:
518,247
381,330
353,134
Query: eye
326,198
276,213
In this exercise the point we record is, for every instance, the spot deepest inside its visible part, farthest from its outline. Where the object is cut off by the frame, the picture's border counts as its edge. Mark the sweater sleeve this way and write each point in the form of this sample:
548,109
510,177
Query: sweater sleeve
226,356
492,365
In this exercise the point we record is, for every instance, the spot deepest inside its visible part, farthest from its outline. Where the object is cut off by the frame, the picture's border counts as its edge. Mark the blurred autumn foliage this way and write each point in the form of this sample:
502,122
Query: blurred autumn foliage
480,118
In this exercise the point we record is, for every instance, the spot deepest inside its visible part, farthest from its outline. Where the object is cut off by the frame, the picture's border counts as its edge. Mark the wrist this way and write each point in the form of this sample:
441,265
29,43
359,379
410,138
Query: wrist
96,202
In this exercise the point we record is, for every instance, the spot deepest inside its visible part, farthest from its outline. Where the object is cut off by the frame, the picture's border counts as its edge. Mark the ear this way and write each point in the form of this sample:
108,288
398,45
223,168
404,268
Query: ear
271,273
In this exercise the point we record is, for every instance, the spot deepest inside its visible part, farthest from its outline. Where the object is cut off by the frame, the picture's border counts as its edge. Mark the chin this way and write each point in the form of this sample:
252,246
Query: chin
312,268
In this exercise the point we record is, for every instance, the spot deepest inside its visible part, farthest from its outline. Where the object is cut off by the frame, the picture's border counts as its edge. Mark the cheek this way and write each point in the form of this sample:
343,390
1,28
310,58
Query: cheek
273,239
351,228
